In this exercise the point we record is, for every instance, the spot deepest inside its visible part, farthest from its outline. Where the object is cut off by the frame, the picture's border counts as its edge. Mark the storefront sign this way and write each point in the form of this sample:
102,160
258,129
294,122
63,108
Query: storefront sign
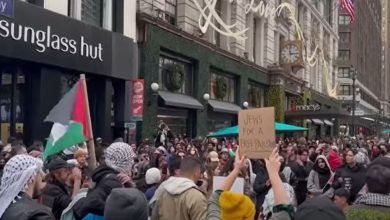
257,132
47,39
39,35
313,108
7,8
137,100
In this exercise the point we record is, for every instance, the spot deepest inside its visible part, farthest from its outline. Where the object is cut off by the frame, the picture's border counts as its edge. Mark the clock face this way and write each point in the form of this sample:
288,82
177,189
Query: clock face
290,54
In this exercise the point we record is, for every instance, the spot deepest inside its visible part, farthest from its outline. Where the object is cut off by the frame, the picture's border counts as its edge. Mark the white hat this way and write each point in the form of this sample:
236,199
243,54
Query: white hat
152,176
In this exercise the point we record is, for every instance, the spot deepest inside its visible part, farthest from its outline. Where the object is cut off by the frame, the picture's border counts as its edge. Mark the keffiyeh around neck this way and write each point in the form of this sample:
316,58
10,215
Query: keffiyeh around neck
18,172
120,157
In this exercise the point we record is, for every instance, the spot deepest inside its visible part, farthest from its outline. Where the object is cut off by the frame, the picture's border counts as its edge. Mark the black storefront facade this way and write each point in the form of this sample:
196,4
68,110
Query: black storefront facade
43,53
321,114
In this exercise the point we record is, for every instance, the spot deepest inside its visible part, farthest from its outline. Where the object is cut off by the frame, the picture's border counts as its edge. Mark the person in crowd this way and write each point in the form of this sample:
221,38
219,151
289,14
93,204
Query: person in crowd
350,176
375,152
224,204
81,160
55,194
3,161
223,160
288,173
20,185
35,146
139,177
261,187
174,166
211,170
302,172
124,204
319,208
153,179
375,203
18,149
115,173
179,198
164,134
320,178
341,198
332,157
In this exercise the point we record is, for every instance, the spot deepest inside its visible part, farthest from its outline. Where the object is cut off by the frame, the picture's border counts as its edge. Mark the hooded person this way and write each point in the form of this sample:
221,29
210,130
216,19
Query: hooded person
115,173
123,204
351,175
21,182
180,197
320,178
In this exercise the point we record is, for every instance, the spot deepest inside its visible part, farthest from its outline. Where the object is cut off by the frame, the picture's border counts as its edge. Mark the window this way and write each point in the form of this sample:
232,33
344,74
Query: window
345,37
222,87
255,95
344,55
344,90
170,11
344,72
92,12
175,74
343,20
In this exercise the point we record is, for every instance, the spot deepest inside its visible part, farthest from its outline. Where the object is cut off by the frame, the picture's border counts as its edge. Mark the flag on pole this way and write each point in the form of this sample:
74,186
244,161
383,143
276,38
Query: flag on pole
348,7
70,121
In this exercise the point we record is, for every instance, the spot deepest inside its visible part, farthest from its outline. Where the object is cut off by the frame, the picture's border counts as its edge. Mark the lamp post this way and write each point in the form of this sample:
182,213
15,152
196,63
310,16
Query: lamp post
354,75
245,104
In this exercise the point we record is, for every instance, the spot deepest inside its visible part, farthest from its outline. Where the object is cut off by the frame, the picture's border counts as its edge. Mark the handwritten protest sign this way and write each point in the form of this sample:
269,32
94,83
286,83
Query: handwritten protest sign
257,132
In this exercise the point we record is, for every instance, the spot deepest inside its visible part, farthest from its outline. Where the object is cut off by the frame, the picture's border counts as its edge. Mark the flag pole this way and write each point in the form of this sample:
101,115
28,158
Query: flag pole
90,142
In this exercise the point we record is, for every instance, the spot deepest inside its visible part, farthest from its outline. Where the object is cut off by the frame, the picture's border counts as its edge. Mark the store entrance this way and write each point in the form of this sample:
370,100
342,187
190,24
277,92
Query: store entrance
12,87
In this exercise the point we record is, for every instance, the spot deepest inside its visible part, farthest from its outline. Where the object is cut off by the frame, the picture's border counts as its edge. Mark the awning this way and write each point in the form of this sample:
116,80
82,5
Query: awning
224,107
368,119
318,122
180,100
328,123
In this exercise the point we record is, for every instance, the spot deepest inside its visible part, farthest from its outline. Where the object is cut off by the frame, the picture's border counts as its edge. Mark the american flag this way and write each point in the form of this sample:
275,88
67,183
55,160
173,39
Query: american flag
348,6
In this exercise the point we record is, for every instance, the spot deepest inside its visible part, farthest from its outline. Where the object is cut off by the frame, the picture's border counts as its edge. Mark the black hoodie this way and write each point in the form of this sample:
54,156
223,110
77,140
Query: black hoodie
353,179
106,180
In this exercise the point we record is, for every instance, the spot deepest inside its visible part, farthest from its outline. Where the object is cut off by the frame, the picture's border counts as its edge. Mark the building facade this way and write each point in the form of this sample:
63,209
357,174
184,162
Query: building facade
385,89
204,77
360,57
46,45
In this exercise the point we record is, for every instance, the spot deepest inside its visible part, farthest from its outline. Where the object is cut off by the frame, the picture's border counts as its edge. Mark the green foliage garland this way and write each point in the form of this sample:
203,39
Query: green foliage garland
174,74
275,97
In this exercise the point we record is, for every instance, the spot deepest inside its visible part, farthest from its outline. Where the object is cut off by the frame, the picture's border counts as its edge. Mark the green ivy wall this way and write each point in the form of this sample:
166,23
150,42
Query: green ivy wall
275,96
204,58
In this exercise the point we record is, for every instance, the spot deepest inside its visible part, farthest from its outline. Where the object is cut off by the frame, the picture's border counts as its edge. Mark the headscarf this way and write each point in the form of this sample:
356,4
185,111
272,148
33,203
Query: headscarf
18,173
120,157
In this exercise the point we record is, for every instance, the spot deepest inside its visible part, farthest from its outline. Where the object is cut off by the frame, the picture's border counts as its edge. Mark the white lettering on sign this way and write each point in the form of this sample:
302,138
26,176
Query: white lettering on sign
45,39
3,6
314,107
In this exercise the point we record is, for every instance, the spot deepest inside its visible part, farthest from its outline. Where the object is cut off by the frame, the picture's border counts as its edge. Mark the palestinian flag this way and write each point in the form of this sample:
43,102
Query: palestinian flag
70,121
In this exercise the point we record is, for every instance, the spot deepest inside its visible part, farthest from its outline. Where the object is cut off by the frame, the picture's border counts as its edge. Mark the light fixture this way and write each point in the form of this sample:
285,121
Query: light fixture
206,96
245,104
154,87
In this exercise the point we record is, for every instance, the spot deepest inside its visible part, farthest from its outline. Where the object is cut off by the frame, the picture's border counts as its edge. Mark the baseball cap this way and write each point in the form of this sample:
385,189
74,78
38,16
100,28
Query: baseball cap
224,150
213,156
58,163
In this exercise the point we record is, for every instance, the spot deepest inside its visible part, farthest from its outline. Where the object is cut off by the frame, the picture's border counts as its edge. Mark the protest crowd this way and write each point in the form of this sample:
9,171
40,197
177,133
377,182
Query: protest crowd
172,178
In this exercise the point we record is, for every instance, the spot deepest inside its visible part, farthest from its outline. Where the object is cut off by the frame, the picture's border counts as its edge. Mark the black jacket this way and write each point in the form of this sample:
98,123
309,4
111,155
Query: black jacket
56,197
353,179
260,188
106,180
27,209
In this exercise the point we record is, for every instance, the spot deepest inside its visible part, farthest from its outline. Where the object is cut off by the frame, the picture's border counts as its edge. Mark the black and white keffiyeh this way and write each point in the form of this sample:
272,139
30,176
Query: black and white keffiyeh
374,199
18,173
120,157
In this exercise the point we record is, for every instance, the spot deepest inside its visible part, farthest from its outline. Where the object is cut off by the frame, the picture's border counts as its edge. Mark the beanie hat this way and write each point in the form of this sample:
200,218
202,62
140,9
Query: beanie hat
152,176
319,208
236,206
120,157
125,203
